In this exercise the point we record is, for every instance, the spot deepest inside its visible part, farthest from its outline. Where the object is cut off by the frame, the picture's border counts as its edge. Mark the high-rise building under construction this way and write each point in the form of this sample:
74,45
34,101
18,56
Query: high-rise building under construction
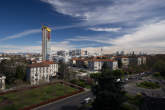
45,43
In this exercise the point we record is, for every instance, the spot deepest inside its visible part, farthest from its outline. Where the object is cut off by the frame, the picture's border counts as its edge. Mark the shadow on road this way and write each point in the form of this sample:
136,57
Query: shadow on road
69,108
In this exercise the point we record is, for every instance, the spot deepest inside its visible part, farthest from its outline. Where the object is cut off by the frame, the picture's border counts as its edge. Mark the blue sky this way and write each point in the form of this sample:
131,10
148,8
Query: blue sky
90,24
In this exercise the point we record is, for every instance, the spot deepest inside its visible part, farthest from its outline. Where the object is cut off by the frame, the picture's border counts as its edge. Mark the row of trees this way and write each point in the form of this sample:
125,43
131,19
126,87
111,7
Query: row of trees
157,63
154,63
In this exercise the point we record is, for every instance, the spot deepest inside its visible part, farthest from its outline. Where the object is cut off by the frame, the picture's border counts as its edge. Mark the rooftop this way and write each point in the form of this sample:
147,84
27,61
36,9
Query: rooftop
93,59
42,64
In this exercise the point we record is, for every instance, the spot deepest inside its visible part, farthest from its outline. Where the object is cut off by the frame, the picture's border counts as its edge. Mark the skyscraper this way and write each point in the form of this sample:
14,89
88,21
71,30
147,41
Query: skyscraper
45,43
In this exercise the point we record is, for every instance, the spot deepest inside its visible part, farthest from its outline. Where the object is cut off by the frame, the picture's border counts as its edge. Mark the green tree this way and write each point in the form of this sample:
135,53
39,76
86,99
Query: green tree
160,67
109,93
118,73
20,72
13,70
63,69
105,67
5,68
120,63
65,73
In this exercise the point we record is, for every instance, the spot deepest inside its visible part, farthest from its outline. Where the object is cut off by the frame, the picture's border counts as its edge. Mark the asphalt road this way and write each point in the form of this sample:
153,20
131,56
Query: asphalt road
71,103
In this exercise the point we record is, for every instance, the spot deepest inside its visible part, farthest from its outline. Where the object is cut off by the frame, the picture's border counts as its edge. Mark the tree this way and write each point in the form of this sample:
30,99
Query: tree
13,70
109,93
63,69
118,73
160,67
120,64
5,68
20,72
65,72
105,67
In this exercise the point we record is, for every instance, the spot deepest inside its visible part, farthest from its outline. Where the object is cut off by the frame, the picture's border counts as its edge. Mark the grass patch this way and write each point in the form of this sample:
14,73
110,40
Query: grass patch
148,85
133,102
18,100
127,106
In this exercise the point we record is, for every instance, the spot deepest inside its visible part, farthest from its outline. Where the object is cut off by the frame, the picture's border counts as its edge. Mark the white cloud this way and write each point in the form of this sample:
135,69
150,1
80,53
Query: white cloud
105,29
20,49
149,38
95,12
22,34
64,45
99,39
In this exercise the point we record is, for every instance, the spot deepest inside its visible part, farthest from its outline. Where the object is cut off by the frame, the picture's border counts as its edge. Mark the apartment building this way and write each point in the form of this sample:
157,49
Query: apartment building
80,62
78,52
123,61
137,60
96,64
41,72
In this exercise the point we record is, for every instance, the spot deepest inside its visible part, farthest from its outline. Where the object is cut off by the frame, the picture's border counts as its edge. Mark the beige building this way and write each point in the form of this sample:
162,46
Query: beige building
123,61
96,64
80,62
41,72
2,82
137,60
142,60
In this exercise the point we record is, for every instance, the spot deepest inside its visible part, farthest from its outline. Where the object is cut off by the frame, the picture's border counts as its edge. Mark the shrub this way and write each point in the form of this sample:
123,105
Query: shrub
148,85
157,74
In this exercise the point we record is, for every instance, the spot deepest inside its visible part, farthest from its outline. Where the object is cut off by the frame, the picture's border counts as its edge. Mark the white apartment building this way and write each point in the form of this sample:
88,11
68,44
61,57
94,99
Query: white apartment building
141,60
123,61
41,72
78,52
2,82
137,60
96,64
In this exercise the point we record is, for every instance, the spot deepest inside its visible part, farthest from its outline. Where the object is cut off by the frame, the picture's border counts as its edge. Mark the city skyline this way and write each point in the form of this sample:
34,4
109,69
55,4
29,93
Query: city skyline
128,25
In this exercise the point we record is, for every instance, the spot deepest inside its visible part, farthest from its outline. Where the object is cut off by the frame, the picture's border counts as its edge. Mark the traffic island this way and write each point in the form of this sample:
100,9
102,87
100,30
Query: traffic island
148,85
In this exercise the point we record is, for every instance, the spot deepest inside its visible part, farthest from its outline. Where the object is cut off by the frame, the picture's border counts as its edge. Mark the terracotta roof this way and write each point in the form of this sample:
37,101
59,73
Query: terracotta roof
121,56
105,60
93,59
48,62
102,56
80,59
42,64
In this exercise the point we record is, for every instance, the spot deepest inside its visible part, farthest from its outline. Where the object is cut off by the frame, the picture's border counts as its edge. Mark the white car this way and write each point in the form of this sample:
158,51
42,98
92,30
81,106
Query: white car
126,79
86,100
118,80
